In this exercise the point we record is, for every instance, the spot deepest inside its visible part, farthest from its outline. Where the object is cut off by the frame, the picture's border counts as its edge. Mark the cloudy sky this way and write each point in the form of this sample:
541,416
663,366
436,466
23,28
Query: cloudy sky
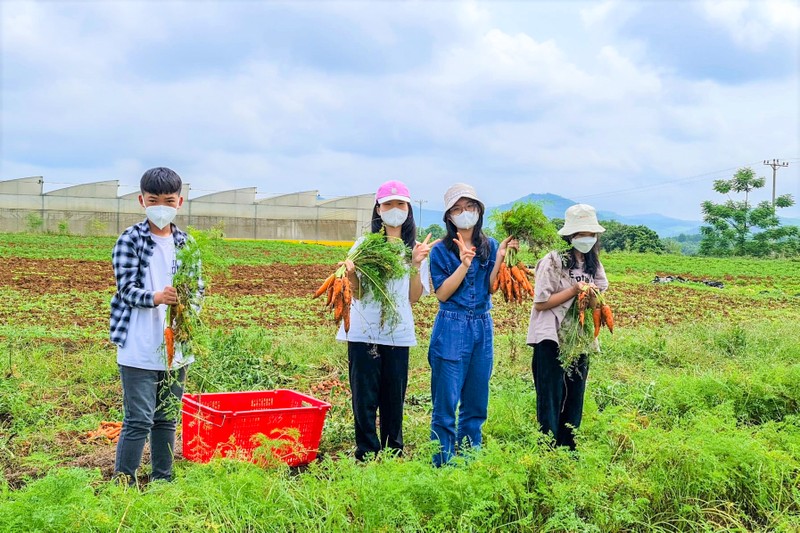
634,107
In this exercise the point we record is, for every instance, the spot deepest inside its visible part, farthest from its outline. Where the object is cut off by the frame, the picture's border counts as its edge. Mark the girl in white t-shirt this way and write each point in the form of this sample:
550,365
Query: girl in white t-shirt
377,354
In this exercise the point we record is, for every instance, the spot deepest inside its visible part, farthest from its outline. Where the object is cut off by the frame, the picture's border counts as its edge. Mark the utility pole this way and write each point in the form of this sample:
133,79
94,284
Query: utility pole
420,202
775,164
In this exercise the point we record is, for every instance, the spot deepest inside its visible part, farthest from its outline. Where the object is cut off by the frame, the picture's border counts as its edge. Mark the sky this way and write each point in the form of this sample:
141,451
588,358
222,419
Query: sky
633,107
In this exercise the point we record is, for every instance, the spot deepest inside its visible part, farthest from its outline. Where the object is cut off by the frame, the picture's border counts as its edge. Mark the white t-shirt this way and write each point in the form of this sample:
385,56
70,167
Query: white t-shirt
365,315
144,347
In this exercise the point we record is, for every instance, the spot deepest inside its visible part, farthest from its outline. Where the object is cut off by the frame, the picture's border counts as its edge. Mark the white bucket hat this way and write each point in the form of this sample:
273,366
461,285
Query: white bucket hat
460,190
580,218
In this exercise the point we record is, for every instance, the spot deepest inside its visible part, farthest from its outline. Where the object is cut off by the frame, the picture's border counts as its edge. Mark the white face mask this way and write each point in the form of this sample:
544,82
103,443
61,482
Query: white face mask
161,215
394,217
466,219
584,244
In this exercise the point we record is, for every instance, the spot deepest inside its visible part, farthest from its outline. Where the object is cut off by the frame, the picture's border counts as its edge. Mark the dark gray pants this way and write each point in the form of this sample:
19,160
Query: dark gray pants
146,399
559,398
378,380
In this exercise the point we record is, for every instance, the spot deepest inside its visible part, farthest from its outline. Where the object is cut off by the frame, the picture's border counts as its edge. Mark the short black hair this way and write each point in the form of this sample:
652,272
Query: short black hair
160,180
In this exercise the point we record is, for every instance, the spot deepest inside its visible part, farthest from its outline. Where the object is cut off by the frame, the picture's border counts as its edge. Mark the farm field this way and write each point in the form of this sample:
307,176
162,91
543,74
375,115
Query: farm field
692,417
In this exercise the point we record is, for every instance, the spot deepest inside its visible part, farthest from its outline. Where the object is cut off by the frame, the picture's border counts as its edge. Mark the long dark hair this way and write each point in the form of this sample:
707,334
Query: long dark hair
479,239
408,231
591,259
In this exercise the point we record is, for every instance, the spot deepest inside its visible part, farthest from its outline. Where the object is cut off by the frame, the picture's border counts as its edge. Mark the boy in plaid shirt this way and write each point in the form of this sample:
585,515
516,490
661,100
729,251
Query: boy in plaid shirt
145,260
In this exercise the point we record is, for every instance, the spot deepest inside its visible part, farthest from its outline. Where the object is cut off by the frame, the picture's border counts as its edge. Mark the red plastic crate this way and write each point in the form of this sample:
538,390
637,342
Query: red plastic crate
228,424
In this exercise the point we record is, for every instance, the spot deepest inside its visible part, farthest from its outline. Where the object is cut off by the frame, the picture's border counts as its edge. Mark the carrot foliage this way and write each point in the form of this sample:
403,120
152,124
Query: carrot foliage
379,260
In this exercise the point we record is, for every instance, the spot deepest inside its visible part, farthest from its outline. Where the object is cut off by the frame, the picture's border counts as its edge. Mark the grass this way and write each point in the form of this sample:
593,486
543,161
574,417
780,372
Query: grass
691,418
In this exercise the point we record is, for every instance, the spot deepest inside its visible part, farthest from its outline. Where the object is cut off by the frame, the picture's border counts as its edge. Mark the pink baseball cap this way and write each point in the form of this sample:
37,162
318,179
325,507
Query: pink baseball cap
392,190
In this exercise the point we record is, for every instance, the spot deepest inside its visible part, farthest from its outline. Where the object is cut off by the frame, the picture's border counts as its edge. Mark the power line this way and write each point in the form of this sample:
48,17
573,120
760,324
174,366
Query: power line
696,177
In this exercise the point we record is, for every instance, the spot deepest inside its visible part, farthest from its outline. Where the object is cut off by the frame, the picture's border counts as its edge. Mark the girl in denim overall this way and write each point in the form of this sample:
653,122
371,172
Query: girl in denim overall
463,268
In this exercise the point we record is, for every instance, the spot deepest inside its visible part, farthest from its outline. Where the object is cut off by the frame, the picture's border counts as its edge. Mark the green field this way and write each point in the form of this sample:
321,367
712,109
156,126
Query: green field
691,419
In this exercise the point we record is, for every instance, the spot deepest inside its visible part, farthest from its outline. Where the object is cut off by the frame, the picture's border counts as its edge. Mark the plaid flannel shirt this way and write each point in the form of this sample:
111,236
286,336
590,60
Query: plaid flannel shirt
131,258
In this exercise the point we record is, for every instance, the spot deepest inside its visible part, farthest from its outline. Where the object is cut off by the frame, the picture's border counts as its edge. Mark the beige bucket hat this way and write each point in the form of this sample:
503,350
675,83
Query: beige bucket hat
460,190
579,218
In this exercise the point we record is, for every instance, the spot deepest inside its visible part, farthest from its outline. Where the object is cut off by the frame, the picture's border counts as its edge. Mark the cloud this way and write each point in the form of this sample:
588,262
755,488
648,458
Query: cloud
578,99
754,25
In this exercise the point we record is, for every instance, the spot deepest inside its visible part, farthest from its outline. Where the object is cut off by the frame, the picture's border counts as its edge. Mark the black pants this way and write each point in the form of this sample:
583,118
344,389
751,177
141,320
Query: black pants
559,398
378,380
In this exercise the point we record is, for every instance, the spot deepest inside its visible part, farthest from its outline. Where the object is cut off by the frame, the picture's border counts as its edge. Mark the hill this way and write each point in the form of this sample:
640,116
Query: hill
554,206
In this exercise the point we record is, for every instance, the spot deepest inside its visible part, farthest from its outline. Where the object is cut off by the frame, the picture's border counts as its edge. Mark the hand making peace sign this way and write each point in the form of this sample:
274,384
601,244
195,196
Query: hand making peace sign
465,254
421,251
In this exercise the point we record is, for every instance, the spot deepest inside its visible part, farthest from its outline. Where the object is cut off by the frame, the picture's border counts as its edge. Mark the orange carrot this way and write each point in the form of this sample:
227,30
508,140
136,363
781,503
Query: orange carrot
347,298
336,289
347,291
523,267
324,286
338,300
169,342
608,317
497,278
596,317
519,276
524,273
329,301
528,286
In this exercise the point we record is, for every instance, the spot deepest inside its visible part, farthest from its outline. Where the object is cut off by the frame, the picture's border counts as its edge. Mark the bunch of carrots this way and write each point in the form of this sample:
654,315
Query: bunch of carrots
590,299
183,318
109,430
512,279
340,295
377,261
578,333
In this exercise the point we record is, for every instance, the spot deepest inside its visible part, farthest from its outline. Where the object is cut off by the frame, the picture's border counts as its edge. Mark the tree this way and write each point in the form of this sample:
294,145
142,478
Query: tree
683,244
627,238
738,228
436,231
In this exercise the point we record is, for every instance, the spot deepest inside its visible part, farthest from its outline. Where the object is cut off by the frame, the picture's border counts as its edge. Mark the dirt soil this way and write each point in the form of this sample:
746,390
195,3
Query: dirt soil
50,276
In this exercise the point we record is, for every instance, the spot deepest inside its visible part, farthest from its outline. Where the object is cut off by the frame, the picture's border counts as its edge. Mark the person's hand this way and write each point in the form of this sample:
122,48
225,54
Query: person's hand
349,266
168,296
508,242
421,251
581,286
465,254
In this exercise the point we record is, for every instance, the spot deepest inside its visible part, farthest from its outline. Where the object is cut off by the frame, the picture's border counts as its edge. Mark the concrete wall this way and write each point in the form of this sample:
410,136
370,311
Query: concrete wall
97,209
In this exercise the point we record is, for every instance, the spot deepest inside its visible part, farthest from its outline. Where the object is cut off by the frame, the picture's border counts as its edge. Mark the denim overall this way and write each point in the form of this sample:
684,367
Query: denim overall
461,353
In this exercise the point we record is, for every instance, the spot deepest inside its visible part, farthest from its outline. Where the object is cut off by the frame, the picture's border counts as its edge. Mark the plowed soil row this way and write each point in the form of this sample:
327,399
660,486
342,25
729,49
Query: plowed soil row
50,276
634,304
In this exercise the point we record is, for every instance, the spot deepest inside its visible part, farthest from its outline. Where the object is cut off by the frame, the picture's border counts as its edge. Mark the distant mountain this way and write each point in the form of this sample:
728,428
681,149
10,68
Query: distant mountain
429,216
554,206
